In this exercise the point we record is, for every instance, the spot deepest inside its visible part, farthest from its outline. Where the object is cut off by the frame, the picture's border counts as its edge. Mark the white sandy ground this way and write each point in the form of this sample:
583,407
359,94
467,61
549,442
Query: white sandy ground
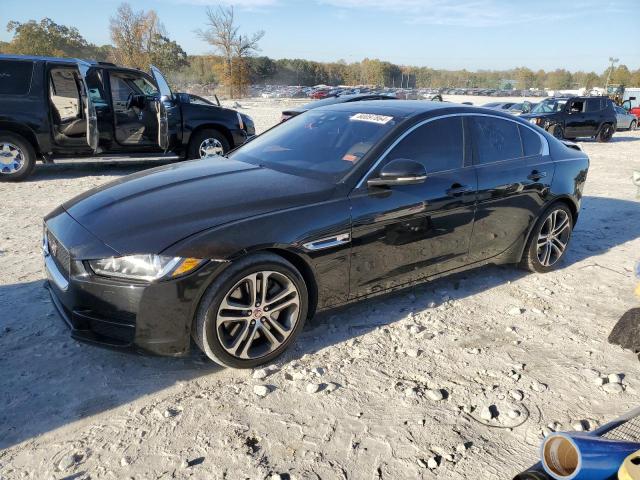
69,410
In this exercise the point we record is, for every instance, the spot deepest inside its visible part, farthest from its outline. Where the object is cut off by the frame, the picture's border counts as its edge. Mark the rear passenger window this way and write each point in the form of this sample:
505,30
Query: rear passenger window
15,77
438,145
495,139
592,105
530,141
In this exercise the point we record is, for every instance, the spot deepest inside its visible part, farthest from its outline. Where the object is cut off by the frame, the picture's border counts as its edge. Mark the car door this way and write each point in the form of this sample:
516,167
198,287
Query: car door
169,119
512,181
89,108
575,124
407,232
594,110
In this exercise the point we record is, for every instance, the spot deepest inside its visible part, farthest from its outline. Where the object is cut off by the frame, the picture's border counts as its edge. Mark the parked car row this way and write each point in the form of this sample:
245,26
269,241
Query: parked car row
55,107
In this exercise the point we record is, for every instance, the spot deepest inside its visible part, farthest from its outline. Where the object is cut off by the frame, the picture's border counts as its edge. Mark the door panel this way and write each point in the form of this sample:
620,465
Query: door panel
406,233
168,113
510,195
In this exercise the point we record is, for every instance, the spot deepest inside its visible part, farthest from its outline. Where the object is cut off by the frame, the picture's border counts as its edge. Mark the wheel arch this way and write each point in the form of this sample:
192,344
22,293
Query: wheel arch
23,131
565,200
305,270
212,126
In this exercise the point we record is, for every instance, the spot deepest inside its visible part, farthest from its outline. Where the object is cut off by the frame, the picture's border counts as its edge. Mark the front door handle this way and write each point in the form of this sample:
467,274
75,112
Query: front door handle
536,175
456,190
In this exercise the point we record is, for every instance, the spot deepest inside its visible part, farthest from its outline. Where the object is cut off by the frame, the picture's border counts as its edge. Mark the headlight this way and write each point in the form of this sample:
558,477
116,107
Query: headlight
144,267
534,121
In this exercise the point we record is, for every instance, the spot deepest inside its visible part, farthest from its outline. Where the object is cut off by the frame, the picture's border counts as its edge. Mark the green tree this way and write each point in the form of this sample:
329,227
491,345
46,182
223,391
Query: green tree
47,38
139,39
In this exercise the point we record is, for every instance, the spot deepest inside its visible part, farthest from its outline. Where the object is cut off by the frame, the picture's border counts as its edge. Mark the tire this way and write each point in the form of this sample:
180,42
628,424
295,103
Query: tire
531,259
556,130
633,125
605,134
215,137
226,341
17,157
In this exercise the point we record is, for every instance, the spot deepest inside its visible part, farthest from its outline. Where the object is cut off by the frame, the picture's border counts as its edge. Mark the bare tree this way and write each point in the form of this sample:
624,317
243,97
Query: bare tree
223,34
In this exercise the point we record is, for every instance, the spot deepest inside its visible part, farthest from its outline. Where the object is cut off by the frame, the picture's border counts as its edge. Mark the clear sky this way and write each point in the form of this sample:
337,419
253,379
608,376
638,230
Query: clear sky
452,34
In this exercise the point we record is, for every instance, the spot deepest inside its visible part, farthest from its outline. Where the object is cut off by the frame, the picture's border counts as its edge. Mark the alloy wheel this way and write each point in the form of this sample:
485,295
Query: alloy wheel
553,237
607,132
258,314
11,158
210,147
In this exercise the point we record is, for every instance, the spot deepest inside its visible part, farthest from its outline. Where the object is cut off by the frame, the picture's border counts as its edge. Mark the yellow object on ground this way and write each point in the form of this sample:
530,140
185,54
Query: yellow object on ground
638,290
630,468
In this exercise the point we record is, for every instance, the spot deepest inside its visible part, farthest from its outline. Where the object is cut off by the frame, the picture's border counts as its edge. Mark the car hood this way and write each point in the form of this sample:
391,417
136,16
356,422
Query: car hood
148,211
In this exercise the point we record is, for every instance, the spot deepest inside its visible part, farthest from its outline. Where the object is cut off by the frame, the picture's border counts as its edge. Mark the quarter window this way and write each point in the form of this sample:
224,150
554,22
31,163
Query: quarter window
438,145
592,105
530,141
495,139
15,77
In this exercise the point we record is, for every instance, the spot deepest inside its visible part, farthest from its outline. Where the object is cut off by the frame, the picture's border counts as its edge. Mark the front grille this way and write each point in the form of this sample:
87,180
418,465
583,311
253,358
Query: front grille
59,254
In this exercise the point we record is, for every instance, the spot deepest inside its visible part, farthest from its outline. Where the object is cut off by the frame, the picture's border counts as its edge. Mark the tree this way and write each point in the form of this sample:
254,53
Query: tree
223,34
140,39
621,75
48,38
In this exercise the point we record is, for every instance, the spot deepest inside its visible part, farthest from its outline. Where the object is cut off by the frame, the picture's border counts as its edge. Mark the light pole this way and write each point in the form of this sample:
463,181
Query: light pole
613,62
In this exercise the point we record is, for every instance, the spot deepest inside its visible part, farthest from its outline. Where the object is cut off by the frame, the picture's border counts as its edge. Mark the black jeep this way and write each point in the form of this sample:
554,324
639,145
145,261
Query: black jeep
54,107
572,117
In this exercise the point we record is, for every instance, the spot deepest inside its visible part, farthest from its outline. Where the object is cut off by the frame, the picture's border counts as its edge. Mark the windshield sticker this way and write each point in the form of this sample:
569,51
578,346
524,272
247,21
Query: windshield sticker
371,117
350,157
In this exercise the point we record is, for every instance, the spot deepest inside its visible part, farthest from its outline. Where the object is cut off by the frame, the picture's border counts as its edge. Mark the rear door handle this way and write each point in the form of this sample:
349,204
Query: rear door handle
457,190
536,175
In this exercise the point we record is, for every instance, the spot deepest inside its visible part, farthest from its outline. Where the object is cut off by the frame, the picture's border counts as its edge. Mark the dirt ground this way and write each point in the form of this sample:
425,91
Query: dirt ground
531,347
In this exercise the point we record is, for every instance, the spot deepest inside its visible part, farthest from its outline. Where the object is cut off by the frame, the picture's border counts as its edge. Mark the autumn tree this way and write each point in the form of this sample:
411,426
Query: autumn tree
223,34
140,39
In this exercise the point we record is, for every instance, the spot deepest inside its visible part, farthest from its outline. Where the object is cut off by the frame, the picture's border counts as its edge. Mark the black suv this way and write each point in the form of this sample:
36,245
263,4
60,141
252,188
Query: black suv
572,117
68,107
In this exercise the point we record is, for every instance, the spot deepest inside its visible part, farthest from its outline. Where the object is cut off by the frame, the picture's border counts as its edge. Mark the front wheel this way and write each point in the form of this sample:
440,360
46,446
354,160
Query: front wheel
549,240
252,313
17,157
207,143
605,134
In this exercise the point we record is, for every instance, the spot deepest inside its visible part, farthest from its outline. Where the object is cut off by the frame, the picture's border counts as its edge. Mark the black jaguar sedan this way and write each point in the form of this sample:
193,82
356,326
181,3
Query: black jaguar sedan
335,205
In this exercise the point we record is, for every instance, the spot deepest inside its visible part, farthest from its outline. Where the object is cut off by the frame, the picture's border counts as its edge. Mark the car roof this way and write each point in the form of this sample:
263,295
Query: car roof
69,61
410,108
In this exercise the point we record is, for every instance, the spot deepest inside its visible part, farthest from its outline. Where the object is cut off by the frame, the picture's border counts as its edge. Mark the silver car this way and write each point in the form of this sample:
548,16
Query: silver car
626,120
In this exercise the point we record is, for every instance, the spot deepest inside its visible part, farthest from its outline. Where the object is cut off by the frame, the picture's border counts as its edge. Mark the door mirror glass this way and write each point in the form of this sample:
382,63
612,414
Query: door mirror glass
401,171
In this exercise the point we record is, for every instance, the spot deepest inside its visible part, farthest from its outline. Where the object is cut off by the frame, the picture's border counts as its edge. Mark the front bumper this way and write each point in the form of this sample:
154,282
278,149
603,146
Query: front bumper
152,317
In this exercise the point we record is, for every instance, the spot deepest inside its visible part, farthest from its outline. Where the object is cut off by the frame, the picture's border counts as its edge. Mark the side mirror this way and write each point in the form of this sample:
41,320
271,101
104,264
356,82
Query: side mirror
401,171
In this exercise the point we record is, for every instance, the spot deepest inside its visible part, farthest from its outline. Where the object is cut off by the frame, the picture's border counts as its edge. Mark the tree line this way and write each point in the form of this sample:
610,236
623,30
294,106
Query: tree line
139,39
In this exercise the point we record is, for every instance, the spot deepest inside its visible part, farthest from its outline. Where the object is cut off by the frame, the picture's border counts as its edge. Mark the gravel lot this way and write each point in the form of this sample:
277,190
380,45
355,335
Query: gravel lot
531,347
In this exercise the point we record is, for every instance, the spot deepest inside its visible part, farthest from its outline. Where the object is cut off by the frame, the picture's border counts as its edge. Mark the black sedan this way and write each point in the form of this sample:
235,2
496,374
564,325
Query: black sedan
335,205
356,97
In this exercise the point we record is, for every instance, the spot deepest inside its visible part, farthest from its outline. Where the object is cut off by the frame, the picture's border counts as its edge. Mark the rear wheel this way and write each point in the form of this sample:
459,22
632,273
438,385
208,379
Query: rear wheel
556,130
206,143
17,157
605,134
549,239
252,313
633,125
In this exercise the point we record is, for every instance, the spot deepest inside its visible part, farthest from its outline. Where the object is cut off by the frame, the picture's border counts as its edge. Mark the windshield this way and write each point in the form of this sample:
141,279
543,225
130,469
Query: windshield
549,106
319,144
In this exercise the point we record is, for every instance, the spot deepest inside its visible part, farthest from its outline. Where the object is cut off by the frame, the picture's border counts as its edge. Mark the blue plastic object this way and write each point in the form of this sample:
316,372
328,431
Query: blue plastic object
581,456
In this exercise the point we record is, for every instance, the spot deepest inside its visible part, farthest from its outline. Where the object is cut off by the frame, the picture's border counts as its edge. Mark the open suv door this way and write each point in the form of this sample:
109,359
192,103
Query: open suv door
164,102
89,108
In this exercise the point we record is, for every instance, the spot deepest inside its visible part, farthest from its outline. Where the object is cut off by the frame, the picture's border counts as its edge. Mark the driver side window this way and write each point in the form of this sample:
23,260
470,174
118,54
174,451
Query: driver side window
438,145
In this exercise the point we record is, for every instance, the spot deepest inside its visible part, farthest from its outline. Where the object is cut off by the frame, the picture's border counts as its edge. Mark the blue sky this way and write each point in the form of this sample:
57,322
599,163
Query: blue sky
471,34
